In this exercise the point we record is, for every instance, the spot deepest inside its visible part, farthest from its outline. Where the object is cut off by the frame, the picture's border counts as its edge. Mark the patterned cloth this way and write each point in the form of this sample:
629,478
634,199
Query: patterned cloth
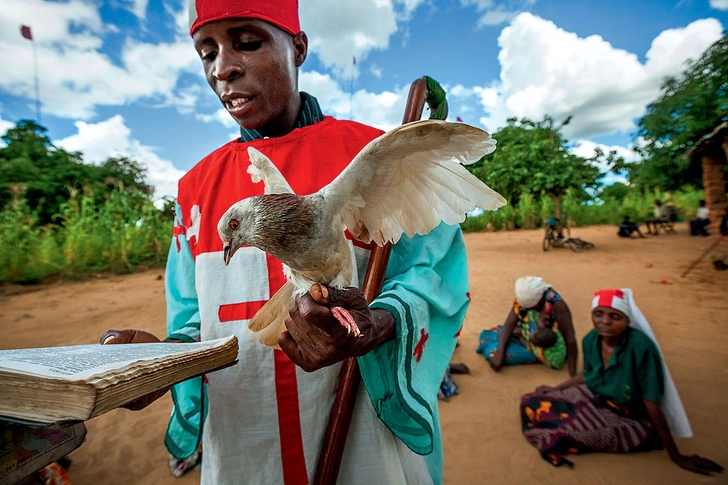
574,420
555,356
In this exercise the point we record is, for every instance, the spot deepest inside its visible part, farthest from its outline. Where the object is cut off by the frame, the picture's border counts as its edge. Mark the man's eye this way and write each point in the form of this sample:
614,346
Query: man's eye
208,56
250,45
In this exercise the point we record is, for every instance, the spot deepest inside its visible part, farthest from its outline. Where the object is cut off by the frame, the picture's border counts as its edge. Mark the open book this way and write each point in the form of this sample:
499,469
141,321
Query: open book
79,382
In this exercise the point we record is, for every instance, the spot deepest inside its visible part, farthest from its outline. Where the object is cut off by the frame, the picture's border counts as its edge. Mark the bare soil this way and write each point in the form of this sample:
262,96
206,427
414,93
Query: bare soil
481,427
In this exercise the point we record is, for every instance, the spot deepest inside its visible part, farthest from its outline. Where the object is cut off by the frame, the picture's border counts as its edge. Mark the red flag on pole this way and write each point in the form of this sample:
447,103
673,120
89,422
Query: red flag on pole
25,32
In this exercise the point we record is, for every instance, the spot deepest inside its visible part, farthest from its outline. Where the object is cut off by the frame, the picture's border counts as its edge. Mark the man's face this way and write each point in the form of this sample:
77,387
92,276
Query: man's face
252,67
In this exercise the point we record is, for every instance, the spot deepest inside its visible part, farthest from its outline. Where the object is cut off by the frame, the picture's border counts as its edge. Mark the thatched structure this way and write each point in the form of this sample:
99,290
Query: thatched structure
713,152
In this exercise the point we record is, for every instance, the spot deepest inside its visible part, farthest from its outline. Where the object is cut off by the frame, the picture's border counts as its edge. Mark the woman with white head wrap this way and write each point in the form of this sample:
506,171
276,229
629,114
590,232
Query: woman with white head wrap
625,399
538,329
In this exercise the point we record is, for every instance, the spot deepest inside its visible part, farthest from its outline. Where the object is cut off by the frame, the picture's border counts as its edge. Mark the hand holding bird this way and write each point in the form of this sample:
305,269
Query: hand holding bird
316,338
407,181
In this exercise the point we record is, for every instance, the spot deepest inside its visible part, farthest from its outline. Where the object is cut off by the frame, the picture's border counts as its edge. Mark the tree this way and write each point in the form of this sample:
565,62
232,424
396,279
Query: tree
46,176
533,157
688,108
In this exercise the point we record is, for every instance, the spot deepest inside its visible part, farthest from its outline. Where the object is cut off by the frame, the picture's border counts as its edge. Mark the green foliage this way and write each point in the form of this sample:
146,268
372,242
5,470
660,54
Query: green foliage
689,108
609,207
46,176
59,216
30,251
116,235
533,157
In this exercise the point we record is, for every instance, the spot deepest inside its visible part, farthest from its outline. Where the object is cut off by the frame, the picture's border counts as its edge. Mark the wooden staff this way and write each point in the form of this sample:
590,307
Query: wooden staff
342,410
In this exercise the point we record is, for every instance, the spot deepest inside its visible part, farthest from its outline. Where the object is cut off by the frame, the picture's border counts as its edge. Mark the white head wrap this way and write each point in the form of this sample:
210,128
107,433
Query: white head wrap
530,290
672,406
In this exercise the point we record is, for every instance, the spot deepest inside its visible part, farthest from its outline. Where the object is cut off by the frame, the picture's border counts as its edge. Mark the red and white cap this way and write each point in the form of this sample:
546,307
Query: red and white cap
281,13
612,298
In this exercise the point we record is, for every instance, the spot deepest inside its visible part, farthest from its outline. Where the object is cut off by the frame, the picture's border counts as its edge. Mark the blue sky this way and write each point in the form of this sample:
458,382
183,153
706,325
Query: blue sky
120,77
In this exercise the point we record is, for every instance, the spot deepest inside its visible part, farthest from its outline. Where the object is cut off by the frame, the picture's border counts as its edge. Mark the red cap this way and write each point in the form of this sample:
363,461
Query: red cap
281,13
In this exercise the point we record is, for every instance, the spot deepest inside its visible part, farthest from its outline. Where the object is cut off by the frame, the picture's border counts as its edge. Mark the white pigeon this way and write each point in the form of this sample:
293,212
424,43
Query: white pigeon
408,181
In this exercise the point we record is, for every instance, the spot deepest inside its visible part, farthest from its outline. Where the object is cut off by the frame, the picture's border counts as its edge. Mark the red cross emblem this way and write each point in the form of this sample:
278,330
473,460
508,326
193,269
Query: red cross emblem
420,345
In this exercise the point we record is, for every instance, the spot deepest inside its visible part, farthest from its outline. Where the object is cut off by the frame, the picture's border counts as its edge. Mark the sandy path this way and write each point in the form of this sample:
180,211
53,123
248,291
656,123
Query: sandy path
481,427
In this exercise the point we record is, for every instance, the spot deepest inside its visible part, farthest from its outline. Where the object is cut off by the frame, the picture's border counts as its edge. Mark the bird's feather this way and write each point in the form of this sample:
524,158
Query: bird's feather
261,168
269,322
410,179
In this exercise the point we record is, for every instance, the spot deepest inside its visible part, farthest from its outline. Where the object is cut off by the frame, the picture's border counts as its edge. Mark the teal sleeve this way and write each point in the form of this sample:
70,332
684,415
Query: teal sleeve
184,431
650,374
183,314
426,290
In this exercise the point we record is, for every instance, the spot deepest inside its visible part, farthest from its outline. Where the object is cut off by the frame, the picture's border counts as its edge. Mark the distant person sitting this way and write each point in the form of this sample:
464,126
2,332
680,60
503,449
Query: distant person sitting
699,226
659,218
627,228
555,225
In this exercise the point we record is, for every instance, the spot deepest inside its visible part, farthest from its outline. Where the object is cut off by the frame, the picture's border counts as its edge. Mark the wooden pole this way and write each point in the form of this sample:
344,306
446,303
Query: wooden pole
342,410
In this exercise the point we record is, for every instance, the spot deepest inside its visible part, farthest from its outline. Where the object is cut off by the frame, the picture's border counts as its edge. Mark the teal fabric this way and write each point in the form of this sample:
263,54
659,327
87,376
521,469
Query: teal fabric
516,353
426,290
184,431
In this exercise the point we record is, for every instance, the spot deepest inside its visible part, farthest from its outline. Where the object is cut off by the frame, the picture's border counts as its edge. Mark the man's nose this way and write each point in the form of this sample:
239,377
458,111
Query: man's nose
228,66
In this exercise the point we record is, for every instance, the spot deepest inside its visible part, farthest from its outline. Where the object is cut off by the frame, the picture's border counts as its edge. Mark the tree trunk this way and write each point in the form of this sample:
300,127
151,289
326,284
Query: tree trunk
557,207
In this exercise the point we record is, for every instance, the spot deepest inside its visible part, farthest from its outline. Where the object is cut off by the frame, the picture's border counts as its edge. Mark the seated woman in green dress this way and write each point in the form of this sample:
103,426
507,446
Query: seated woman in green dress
624,401
538,329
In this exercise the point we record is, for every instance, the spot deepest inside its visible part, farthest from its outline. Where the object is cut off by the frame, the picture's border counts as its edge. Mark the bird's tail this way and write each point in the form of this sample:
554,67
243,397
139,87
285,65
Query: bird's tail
270,321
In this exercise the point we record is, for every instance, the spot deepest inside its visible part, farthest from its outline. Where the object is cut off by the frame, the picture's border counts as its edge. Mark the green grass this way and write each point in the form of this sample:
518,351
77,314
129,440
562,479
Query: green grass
530,212
122,233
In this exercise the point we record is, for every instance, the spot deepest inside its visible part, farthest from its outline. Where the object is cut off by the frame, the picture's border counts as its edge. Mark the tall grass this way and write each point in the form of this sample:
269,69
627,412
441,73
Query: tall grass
117,235
530,213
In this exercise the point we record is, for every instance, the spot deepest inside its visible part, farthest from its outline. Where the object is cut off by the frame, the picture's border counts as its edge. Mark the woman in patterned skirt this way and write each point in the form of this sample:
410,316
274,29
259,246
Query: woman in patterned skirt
624,401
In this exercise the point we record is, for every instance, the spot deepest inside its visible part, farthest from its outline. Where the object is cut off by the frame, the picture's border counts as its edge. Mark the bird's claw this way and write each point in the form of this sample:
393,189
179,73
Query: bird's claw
345,318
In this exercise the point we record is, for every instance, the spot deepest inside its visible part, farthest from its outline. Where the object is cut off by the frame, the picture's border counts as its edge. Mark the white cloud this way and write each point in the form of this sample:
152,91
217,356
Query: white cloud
719,4
352,29
349,29
547,70
221,116
137,7
500,13
75,76
383,110
376,71
5,125
112,138
587,149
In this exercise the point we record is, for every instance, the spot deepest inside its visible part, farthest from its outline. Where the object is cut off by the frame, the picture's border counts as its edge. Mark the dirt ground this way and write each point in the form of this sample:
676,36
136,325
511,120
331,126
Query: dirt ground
481,427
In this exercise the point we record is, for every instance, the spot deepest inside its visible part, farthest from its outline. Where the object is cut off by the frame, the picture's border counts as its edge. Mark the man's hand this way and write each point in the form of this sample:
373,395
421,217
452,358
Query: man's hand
128,336
316,339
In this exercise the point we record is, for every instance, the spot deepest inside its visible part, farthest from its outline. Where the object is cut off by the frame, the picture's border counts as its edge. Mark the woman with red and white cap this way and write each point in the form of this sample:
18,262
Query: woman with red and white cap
625,399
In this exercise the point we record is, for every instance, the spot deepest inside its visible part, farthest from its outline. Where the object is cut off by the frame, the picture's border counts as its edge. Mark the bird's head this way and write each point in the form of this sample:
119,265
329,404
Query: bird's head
236,228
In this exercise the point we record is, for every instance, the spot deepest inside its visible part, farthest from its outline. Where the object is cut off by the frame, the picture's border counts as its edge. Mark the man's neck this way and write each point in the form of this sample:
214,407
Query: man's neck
308,113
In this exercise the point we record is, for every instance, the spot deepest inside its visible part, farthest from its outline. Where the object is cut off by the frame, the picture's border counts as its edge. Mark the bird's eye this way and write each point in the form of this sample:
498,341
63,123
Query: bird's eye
234,224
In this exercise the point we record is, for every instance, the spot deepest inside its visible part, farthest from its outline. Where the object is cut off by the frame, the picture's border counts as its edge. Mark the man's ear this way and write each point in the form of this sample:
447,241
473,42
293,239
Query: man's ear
300,46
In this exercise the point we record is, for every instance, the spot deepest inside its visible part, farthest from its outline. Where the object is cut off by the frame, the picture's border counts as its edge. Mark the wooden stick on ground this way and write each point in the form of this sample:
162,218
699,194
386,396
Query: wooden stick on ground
329,462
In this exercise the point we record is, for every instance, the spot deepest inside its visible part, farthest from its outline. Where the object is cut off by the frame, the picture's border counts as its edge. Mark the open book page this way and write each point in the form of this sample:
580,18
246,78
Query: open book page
83,361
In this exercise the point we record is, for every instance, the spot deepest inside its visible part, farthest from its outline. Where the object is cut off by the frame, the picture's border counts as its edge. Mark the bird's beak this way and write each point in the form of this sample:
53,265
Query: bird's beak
227,252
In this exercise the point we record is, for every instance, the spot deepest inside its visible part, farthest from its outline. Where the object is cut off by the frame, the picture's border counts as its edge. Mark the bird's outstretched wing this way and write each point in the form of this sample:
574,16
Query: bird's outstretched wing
261,168
410,179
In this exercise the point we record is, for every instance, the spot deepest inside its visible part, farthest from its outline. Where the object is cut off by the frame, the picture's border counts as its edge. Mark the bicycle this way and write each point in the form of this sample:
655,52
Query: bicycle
556,234
560,236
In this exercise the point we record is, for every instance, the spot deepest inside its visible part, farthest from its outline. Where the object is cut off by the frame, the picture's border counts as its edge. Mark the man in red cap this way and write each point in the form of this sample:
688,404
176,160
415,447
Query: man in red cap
264,418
